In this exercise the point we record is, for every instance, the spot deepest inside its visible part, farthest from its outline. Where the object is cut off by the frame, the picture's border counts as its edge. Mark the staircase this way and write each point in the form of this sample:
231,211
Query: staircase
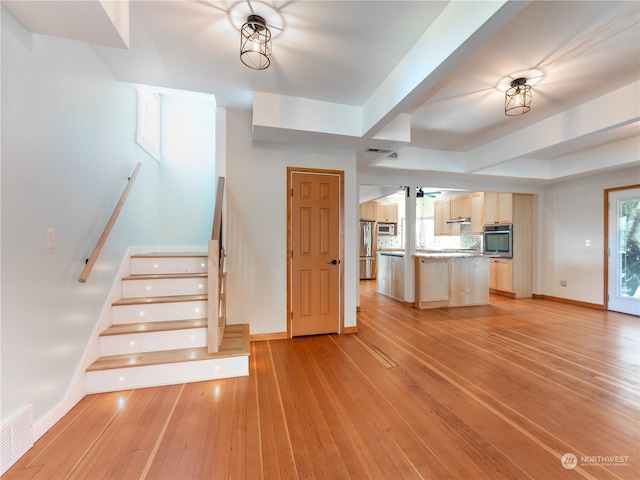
159,332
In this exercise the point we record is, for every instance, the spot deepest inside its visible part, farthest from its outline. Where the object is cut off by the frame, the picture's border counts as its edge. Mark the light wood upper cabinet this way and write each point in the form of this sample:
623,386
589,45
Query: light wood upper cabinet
441,215
465,206
505,208
369,211
498,207
454,207
460,207
388,212
477,213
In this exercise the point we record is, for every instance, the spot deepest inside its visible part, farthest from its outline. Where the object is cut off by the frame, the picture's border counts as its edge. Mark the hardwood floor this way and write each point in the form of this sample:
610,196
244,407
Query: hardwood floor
498,391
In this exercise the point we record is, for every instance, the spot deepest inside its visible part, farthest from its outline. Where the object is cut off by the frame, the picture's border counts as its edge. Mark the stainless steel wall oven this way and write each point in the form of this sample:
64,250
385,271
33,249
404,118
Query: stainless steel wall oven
498,240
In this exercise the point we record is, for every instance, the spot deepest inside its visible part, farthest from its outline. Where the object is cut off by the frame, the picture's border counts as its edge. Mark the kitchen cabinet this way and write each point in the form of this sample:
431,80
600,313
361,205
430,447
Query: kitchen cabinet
501,274
387,212
369,211
433,283
390,281
513,277
460,207
476,201
498,207
397,278
451,281
441,215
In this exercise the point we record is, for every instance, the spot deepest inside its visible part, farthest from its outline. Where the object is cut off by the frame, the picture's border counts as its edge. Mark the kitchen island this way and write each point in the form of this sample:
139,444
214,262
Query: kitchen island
442,278
451,279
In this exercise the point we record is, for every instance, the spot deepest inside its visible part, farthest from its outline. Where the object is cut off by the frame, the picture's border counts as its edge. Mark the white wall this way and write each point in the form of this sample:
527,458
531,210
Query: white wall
573,212
68,148
188,174
257,222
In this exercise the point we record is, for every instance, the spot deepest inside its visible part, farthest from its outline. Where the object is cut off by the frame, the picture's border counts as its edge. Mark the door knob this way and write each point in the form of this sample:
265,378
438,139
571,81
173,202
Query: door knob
333,262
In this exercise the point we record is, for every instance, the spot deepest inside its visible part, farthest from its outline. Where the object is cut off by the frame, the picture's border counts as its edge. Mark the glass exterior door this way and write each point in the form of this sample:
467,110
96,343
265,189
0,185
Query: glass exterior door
624,251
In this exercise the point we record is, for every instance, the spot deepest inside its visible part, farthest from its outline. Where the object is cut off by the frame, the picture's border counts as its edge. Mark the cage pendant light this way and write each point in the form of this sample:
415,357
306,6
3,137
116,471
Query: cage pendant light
255,43
517,100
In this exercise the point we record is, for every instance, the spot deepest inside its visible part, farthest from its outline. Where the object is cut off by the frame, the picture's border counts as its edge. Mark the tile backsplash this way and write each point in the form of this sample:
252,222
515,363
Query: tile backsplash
390,242
467,239
426,240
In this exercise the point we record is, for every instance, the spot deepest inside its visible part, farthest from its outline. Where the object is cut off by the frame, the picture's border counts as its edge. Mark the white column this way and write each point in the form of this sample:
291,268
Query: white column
409,233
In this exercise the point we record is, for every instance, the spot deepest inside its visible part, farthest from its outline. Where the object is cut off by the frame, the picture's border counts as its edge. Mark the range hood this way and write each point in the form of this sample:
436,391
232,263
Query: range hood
460,220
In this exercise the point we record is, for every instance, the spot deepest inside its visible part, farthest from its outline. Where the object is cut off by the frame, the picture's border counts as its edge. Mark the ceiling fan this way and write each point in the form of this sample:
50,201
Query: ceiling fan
421,193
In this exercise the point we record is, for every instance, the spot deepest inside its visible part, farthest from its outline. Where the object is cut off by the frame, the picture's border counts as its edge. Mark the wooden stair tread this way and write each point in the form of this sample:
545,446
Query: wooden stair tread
146,327
166,299
234,343
170,255
155,276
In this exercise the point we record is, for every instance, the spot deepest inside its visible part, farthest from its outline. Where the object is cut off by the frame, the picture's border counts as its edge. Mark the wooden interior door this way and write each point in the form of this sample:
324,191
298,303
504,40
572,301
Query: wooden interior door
315,272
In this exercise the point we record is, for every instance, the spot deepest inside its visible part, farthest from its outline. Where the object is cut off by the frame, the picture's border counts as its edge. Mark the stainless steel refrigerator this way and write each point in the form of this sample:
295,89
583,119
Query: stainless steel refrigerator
367,249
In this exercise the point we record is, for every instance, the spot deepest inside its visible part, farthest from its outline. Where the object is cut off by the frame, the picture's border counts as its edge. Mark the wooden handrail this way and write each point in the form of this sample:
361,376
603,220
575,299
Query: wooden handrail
217,213
91,261
216,277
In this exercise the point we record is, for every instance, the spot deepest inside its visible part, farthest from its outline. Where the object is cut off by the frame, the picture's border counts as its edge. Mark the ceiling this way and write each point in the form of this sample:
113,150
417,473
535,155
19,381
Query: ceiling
423,79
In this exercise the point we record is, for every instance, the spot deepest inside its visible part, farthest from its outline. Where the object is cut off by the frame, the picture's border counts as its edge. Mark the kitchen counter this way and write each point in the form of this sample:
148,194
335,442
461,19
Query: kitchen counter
434,253
448,254
391,253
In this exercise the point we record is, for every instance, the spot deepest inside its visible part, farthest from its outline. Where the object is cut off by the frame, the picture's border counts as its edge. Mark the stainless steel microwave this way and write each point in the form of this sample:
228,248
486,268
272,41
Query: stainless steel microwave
386,228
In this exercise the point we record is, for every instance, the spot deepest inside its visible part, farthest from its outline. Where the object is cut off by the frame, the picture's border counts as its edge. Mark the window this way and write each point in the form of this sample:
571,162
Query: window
148,135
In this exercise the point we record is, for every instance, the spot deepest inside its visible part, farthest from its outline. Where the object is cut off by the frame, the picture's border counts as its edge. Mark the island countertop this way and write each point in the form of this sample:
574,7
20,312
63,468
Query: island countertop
434,253
392,253
445,254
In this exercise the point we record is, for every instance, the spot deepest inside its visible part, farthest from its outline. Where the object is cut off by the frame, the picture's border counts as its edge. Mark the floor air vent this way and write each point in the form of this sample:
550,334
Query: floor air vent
16,437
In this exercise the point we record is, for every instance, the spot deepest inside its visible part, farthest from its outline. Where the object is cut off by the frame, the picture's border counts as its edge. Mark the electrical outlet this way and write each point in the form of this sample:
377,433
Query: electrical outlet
563,283
51,238
587,243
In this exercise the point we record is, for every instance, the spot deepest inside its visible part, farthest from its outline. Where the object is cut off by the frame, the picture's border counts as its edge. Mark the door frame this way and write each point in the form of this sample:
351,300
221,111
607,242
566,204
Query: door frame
340,174
607,191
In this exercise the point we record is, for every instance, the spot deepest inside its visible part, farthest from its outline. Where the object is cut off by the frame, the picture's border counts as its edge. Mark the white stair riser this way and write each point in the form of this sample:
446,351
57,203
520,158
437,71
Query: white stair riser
153,287
163,265
153,341
159,312
168,374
